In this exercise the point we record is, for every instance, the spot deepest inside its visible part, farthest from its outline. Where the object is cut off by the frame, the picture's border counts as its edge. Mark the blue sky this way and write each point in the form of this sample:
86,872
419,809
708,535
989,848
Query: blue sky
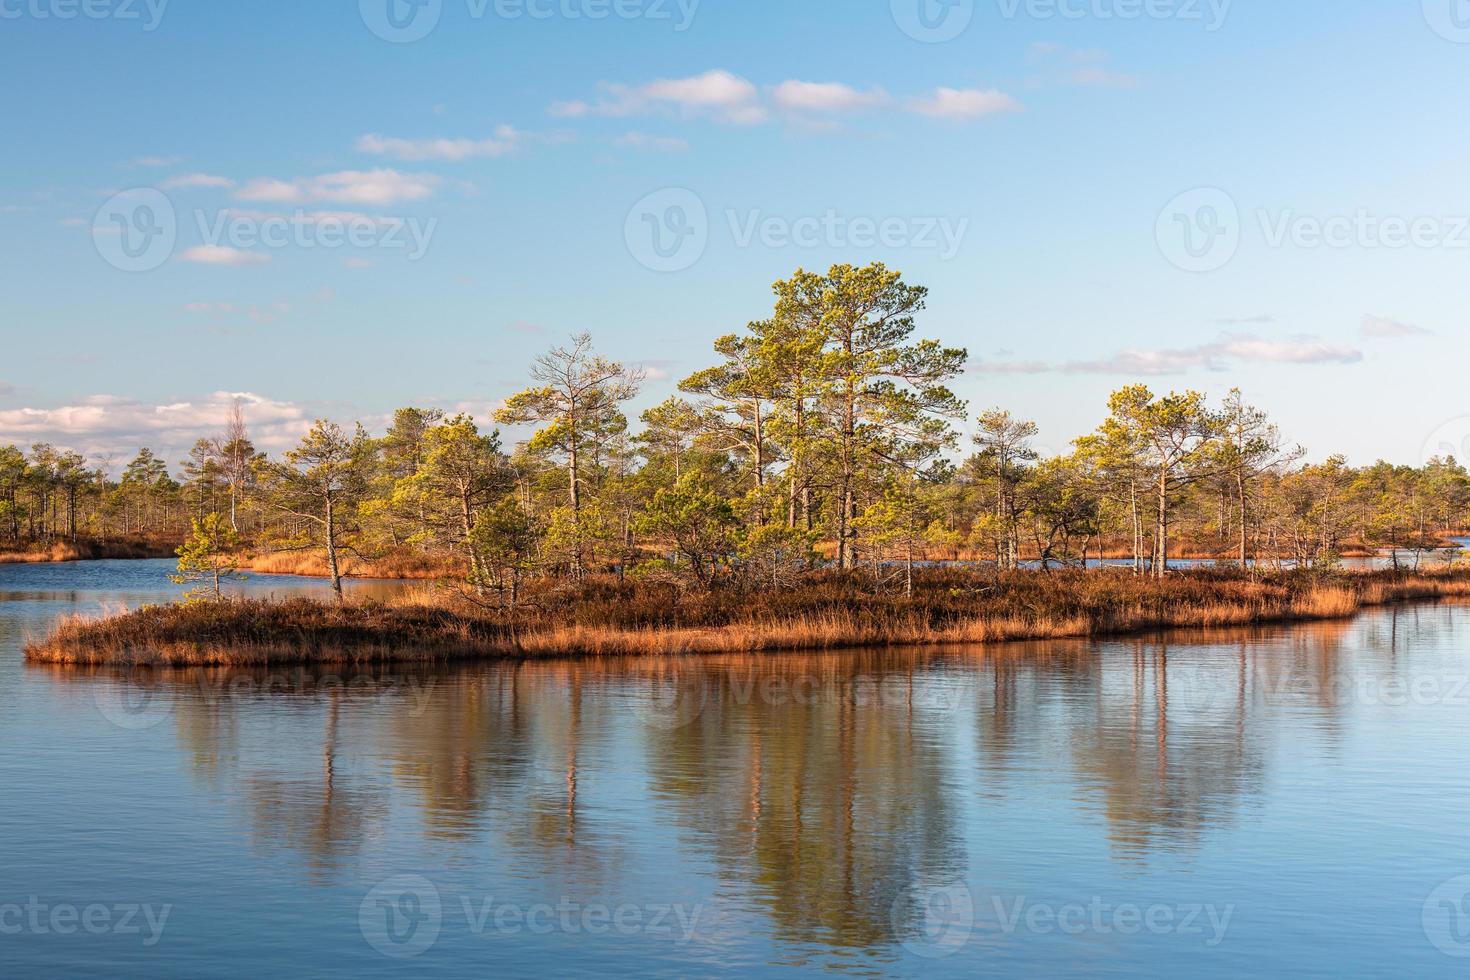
1038,171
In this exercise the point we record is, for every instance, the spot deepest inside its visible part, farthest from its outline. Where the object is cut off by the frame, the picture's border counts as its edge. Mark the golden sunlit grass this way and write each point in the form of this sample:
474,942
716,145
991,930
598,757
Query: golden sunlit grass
605,618
58,551
312,564
64,551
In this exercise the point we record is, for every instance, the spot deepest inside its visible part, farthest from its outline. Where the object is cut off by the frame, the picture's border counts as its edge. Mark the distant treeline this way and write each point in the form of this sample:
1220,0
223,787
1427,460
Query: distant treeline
824,434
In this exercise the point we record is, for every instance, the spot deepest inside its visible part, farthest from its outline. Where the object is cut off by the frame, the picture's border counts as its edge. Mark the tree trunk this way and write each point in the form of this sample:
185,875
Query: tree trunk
1137,527
575,490
760,450
1161,554
1240,499
908,579
333,567
1005,514
846,554
467,528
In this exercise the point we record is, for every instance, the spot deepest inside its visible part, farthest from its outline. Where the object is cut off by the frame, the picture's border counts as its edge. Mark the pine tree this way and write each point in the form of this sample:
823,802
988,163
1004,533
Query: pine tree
207,557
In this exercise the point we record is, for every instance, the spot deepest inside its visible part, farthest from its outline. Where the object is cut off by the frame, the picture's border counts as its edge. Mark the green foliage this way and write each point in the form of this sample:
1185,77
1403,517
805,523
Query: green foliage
321,486
698,521
776,554
575,400
507,542
828,427
206,559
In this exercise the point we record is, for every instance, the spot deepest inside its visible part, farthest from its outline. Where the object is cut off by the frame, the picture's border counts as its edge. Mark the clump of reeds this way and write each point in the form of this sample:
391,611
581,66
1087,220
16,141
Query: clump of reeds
605,617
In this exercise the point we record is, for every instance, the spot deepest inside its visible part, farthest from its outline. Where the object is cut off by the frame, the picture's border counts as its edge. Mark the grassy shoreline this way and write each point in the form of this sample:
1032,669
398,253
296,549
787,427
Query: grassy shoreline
604,619
83,550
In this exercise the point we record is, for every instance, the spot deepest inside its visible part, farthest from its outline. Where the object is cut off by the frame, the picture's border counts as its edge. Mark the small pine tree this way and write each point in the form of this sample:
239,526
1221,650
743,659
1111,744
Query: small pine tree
207,558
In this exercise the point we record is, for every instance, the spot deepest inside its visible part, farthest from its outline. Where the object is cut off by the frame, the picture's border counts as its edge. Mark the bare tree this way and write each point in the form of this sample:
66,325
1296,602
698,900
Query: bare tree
575,398
234,455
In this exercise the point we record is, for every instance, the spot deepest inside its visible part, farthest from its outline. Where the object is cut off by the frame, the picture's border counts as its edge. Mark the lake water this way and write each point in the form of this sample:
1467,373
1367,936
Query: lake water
1283,802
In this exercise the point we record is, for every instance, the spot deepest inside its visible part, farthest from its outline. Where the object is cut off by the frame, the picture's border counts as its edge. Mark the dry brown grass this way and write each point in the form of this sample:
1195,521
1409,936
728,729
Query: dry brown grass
313,564
604,618
63,551
58,551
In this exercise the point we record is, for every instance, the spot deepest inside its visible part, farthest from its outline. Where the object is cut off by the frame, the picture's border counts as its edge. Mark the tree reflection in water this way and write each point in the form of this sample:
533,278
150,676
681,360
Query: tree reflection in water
821,792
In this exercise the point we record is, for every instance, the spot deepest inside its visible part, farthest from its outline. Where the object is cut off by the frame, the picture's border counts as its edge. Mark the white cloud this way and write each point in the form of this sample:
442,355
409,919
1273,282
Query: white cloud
361,187
197,180
505,140
657,370
798,96
668,144
1297,350
109,424
713,89
1381,327
483,412
718,94
748,115
728,98
1229,350
307,218
270,189
952,103
222,255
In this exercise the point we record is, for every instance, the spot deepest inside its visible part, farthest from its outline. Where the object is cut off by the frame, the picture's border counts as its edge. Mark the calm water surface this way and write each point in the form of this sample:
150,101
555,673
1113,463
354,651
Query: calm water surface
1289,801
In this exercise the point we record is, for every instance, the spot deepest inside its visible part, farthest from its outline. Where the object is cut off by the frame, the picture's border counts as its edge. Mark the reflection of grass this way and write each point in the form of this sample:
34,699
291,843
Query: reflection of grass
83,550
607,618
